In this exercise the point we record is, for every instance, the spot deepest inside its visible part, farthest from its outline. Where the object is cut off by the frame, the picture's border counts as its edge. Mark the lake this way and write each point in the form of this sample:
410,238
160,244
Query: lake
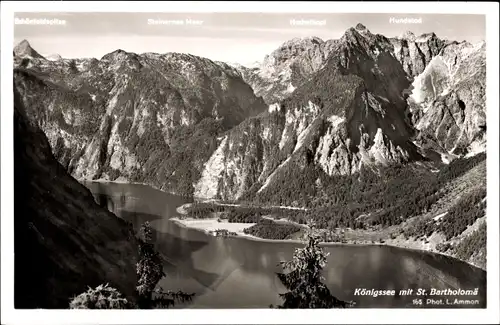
240,273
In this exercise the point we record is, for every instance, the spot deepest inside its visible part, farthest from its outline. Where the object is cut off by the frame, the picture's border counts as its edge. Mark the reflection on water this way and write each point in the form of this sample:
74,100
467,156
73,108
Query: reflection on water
240,273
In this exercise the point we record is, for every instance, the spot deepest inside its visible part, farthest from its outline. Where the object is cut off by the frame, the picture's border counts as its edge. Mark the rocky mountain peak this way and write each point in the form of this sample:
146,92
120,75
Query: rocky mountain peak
360,27
448,97
408,35
301,41
54,57
426,37
281,71
357,34
295,47
423,38
360,40
350,33
416,52
116,55
24,49
123,60
24,43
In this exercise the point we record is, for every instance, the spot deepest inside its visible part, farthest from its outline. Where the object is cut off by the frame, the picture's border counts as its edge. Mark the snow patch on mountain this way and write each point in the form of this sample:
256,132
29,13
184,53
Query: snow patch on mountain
445,159
284,138
439,216
274,108
434,81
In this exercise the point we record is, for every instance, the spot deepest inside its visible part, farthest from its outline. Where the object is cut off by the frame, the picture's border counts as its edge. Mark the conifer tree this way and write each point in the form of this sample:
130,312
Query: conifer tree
150,272
303,278
102,297
149,267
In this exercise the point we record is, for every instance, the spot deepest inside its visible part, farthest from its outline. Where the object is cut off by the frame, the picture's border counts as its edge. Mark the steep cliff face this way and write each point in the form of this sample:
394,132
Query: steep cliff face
415,52
447,96
150,118
64,241
349,114
448,102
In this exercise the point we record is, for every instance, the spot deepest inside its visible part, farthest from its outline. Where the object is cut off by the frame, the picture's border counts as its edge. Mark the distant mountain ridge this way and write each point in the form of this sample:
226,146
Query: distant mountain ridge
286,67
197,127
150,117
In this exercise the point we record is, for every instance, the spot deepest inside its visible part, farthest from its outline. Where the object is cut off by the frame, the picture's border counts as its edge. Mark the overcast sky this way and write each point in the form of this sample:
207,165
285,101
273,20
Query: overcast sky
238,37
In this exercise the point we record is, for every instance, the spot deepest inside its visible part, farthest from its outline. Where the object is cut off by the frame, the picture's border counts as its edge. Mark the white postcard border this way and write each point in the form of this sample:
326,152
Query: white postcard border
249,316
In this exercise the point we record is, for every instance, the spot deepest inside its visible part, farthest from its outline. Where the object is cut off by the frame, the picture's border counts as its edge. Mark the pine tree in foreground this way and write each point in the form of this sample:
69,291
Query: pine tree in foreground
102,297
149,274
304,281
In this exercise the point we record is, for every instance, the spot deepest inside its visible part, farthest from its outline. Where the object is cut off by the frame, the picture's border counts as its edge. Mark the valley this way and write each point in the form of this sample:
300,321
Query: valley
420,232
377,141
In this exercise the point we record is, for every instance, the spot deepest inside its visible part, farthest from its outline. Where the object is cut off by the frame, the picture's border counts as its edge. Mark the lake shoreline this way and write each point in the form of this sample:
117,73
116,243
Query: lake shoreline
124,182
192,223
413,245
208,226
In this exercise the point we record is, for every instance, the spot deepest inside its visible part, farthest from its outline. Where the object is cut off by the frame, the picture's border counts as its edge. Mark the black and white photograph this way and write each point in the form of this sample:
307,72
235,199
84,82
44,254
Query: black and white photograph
250,160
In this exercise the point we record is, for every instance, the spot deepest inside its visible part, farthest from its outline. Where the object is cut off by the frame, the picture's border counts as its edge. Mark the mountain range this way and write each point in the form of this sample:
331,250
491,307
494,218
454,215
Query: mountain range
193,126
311,120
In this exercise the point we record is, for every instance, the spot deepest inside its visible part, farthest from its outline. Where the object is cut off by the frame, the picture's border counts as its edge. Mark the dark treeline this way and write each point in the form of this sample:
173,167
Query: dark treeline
458,167
473,244
463,214
269,229
237,214
188,147
368,198
468,209
385,197
231,213
389,196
